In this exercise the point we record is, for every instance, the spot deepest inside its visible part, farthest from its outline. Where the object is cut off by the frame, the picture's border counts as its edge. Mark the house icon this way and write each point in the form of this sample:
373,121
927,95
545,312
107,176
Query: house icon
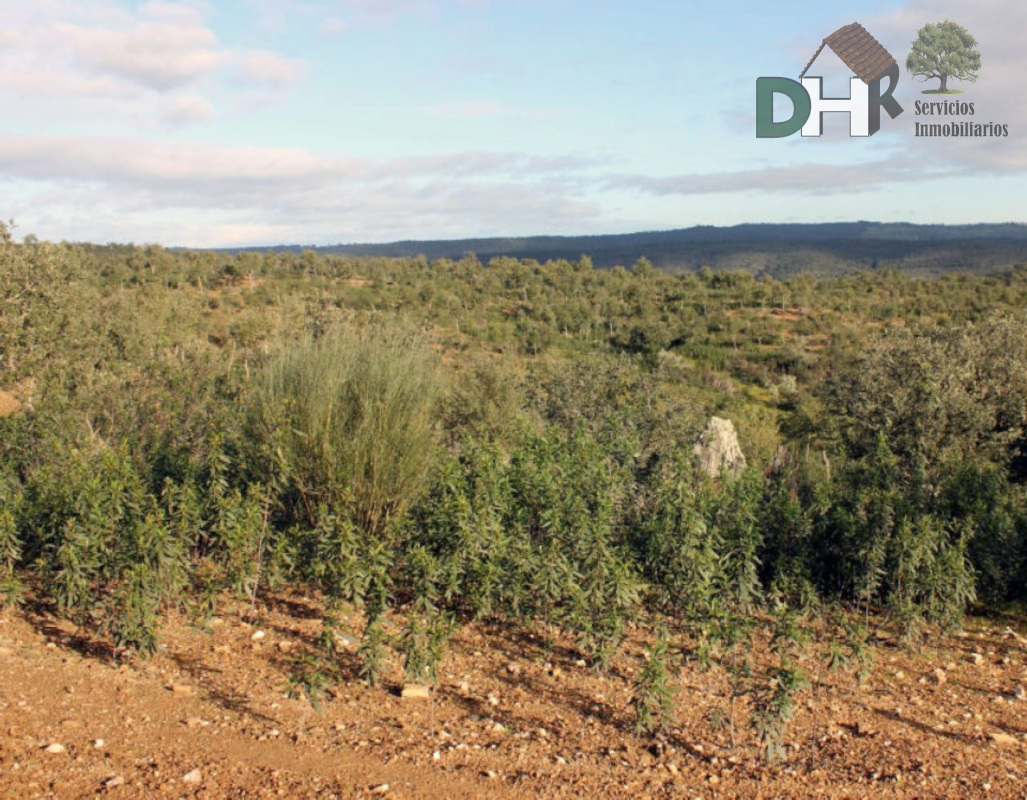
859,51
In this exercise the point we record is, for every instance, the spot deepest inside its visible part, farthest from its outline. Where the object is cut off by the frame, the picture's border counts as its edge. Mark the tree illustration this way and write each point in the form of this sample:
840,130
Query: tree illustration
944,50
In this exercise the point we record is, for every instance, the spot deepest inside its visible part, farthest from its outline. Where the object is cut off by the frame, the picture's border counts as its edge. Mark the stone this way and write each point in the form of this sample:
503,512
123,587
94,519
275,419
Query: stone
193,776
1003,738
415,691
257,636
114,783
938,676
718,451
55,747
181,688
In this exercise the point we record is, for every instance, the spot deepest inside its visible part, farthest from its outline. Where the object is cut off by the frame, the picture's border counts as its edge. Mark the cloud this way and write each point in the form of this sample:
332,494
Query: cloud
98,60
487,109
98,187
166,47
807,178
263,67
187,108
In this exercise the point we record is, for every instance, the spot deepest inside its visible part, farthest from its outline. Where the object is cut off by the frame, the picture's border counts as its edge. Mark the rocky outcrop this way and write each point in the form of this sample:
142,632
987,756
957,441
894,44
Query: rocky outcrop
718,452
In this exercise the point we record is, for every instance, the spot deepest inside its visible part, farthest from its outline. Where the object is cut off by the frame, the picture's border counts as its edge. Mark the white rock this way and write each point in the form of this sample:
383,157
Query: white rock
193,776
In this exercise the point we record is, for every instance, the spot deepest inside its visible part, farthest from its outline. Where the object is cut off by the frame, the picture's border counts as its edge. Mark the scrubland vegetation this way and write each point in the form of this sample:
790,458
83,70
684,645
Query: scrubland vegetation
513,441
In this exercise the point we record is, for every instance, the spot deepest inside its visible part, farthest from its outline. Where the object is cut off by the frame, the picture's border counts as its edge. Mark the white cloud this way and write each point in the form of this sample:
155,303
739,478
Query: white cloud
98,188
166,47
97,60
184,109
486,109
268,68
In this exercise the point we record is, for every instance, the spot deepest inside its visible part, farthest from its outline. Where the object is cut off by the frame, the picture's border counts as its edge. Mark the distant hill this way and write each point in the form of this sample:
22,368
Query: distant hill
779,250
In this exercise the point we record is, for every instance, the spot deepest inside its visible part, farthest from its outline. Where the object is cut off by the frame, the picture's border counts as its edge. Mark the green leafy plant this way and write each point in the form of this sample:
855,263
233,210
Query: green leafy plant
653,698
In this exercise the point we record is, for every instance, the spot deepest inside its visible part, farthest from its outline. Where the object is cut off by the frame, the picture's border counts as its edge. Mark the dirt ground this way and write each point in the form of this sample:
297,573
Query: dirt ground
211,716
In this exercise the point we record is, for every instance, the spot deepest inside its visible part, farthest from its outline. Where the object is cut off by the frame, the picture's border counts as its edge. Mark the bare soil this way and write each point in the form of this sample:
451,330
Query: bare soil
212,715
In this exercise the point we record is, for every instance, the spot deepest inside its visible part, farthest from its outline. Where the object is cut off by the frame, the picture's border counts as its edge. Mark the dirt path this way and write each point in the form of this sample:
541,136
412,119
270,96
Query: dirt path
209,716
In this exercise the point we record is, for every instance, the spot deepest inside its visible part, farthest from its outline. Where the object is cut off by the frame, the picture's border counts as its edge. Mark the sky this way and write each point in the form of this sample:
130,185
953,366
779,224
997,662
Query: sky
257,122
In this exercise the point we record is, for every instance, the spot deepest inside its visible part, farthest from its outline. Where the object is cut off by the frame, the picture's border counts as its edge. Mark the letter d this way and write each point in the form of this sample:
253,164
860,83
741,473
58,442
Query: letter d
766,88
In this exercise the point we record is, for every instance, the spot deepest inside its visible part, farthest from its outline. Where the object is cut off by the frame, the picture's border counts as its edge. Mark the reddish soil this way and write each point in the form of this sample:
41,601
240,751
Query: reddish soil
209,716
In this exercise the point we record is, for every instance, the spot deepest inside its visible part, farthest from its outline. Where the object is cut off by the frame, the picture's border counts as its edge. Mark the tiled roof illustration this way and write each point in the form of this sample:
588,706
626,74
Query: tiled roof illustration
860,51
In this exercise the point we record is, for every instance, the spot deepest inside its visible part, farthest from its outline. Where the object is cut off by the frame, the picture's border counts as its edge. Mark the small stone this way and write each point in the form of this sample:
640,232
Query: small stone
98,743
491,774
493,700
114,783
672,768
285,647
193,776
899,675
513,669
464,687
55,748
437,756
223,649
713,780
938,676
561,760
977,659
581,663
196,722
382,788
1003,738
1020,693
258,635
415,691
181,688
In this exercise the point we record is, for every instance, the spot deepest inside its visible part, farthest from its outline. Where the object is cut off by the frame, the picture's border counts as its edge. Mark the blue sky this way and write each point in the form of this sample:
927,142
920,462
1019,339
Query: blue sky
263,121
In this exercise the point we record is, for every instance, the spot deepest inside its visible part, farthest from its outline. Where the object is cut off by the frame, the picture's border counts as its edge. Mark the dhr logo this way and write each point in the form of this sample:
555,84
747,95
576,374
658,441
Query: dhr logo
866,57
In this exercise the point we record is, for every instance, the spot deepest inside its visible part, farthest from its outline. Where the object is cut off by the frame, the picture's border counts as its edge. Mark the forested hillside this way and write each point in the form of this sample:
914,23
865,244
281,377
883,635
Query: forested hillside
780,251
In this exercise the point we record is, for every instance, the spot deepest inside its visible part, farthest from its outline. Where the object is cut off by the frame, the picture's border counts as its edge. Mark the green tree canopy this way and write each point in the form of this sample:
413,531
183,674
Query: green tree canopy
944,50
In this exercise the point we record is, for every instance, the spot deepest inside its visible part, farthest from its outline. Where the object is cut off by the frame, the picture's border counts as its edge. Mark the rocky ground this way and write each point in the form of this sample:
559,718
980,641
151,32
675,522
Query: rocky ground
219,712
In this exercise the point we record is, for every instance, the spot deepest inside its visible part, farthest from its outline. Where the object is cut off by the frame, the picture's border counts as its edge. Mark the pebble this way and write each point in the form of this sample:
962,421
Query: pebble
258,635
1020,693
55,748
1003,738
493,700
98,743
114,783
513,669
193,776
382,788
181,688
415,691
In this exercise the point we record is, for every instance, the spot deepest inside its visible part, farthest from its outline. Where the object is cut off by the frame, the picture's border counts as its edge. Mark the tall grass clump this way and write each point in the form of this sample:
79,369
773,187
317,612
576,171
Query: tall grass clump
349,420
